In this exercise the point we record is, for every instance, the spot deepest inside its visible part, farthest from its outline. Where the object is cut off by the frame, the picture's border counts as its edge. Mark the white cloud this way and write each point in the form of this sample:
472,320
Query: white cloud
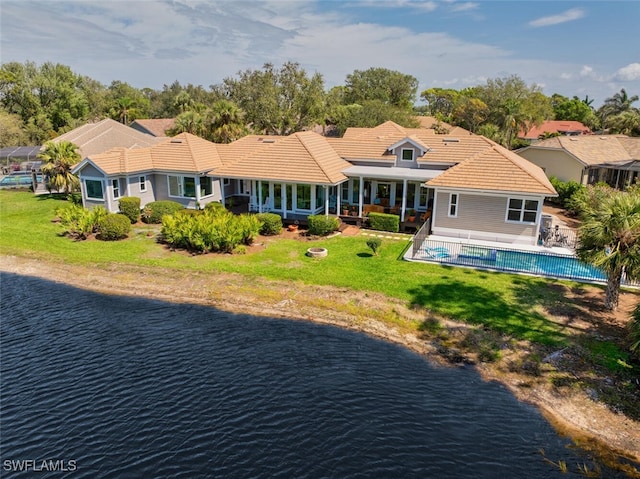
566,76
629,73
465,7
568,16
586,71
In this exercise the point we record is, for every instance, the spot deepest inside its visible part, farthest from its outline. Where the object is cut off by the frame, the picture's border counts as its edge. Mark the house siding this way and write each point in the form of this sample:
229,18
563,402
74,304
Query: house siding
161,191
479,217
147,196
407,164
556,163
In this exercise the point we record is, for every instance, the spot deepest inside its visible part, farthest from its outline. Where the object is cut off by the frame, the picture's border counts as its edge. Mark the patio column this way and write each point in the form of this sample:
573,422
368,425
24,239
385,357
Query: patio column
338,199
197,191
222,195
404,199
283,187
326,200
360,196
259,196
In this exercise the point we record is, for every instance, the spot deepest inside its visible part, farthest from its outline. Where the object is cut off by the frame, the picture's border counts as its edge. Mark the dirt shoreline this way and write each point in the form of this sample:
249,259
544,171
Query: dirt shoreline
573,413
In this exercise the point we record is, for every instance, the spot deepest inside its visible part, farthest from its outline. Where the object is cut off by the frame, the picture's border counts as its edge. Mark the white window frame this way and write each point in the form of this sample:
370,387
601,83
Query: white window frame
412,154
199,185
522,210
181,180
142,181
86,190
454,201
115,185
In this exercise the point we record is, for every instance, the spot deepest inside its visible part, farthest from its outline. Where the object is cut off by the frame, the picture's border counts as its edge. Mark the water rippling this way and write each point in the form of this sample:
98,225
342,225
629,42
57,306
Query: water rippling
129,387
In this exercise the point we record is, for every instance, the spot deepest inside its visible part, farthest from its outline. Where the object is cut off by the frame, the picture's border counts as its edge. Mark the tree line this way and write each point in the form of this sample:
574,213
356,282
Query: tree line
40,102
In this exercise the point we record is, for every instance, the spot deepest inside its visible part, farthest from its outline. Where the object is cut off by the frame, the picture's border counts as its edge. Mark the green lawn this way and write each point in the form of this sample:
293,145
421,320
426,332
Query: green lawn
508,303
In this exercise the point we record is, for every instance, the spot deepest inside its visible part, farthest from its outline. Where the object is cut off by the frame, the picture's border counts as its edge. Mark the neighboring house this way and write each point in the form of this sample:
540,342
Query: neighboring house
154,127
176,169
469,186
561,127
614,159
432,123
94,138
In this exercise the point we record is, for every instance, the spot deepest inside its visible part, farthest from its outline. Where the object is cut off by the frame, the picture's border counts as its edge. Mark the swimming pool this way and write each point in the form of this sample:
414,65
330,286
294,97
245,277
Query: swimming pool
536,263
18,180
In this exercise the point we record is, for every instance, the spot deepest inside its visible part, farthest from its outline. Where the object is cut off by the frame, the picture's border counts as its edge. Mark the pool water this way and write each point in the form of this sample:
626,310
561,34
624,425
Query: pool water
542,264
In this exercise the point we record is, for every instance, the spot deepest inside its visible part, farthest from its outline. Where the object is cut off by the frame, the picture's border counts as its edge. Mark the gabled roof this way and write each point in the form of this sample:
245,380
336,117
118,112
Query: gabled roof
496,169
182,153
94,138
564,127
593,150
303,157
154,126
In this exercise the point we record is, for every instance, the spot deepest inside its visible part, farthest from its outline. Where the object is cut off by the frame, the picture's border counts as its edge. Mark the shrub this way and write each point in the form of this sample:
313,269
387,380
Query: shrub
153,212
130,207
588,198
214,205
565,189
213,230
113,227
634,331
374,244
271,224
384,222
320,225
79,222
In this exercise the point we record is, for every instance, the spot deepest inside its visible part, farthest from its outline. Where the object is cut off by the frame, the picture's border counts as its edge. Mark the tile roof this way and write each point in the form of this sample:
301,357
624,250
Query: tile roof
593,150
555,126
154,126
98,137
182,153
497,169
304,157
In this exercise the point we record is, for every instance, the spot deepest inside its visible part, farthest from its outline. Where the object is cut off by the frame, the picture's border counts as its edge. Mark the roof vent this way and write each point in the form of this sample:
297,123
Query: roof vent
176,141
268,140
451,140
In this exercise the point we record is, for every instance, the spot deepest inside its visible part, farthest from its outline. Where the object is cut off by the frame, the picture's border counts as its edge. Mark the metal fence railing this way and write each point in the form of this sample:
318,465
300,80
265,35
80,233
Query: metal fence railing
557,236
542,263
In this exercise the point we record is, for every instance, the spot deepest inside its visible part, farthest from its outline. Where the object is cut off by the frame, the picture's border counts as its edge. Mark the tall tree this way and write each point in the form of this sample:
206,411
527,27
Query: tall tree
514,105
470,113
441,101
60,157
226,122
575,110
613,106
372,113
278,101
189,122
11,130
610,239
381,84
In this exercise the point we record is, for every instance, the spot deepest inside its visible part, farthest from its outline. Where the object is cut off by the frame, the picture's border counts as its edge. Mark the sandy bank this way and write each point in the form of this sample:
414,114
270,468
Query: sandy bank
571,412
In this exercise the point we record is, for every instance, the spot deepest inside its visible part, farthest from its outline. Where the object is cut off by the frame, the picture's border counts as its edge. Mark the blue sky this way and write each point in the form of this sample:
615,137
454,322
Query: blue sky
572,48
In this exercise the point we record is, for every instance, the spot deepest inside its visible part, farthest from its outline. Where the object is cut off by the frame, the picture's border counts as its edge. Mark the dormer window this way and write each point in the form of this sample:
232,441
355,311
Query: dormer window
407,154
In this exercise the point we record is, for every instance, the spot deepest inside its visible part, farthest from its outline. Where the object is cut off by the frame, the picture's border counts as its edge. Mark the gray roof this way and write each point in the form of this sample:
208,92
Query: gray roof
20,152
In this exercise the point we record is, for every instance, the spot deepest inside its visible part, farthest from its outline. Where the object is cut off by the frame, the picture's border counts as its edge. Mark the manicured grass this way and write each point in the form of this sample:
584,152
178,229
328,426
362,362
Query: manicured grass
507,303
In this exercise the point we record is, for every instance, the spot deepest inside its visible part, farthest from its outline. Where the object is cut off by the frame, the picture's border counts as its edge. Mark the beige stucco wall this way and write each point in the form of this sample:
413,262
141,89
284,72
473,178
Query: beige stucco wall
556,163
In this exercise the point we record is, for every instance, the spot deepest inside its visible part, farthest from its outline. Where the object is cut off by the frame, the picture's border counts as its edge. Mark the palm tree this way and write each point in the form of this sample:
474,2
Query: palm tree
610,240
60,157
188,122
617,104
227,122
124,109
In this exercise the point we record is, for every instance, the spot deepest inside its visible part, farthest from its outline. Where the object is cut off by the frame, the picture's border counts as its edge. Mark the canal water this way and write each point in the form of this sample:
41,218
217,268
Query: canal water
99,386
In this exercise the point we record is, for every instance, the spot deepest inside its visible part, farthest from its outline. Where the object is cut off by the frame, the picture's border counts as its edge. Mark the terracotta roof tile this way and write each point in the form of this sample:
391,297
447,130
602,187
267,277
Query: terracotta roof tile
555,126
305,157
154,126
182,153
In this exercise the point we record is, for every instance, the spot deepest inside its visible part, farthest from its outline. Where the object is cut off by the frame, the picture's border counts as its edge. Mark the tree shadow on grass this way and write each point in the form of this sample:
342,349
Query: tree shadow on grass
477,305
